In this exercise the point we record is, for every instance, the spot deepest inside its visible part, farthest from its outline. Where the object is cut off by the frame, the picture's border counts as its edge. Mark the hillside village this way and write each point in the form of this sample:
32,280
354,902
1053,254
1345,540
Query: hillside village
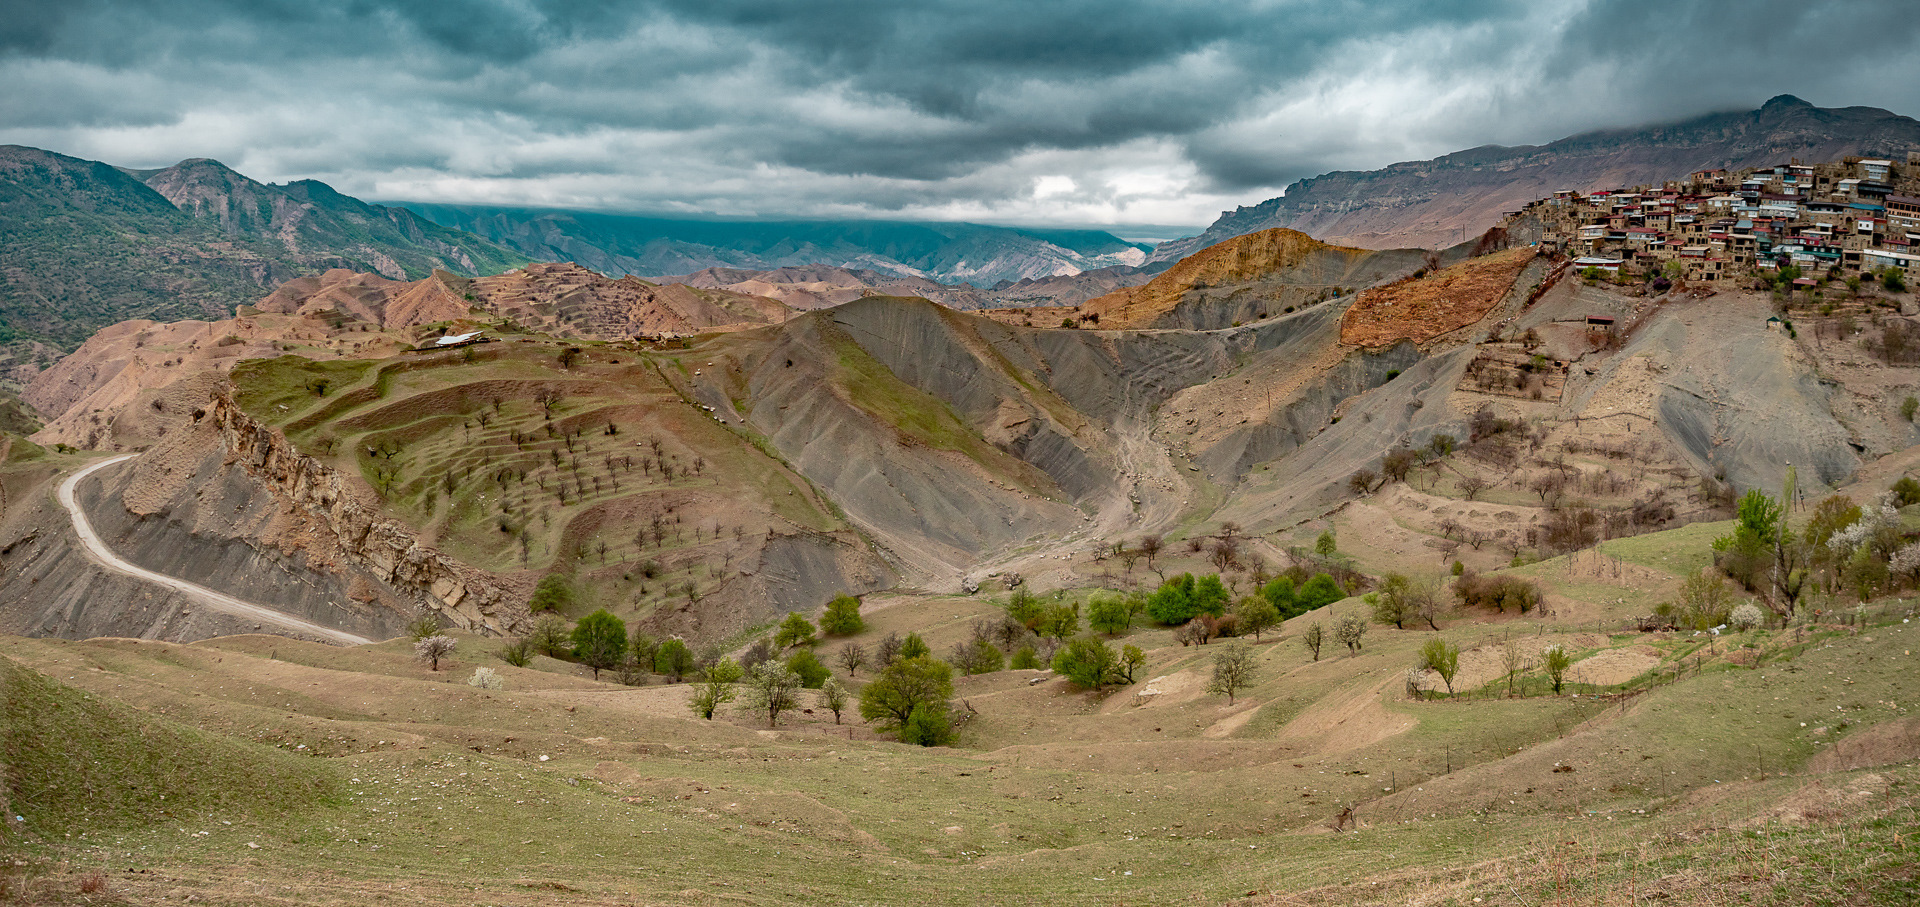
1857,216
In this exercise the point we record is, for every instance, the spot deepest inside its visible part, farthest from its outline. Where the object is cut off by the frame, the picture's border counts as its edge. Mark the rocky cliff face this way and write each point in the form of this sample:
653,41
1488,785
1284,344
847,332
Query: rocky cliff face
1448,199
322,511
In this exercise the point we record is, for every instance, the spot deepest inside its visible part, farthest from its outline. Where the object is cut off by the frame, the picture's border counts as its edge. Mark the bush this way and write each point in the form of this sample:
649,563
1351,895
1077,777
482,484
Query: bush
555,593
518,653
1497,592
978,656
1746,617
1089,663
1906,491
486,679
914,647
1319,592
422,626
809,669
673,659
1024,659
842,617
927,725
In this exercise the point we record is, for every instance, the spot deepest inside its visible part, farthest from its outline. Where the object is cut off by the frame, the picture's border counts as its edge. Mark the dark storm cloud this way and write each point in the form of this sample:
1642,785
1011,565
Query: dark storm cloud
1156,110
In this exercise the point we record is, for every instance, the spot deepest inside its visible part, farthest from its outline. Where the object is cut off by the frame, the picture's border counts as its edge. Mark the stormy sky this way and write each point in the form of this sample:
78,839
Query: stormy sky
1024,112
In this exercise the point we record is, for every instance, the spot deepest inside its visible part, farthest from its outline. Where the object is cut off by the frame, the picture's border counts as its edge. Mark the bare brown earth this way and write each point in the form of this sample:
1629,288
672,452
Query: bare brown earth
1424,308
1240,260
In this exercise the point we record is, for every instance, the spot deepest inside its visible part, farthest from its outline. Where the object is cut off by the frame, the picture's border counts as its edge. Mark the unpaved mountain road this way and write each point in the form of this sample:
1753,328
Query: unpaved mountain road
98,551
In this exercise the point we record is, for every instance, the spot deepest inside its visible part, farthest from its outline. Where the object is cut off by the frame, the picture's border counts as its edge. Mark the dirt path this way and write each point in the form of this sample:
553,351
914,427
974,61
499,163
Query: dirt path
99,553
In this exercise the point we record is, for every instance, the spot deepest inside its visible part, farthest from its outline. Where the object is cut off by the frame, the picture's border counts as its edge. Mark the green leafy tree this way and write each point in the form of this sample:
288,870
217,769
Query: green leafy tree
842,617
1232,670
1024,607
1392,602
1326,545
770,689
1024,659
641,647
673,659
1172,604
834,697
978,656
1110,614
914,647
555,593
796,630
423,625
1280,593
1556,661
717,689
892,695
599,641
1060,621
1088,662
1442,659
809,669
928,725
549,635
1320,591
1131,661
1210,596
1255,615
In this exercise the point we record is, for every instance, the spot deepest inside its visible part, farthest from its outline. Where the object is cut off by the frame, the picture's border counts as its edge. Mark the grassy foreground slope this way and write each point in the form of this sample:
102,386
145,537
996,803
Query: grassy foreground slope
1763,767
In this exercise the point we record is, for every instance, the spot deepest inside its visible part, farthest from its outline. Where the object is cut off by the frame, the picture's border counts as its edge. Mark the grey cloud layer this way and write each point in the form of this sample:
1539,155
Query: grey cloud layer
1153,110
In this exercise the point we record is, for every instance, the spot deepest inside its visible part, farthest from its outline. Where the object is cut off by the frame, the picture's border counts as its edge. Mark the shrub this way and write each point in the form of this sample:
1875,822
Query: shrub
1088,662
1908,407
807,666
978,656
914,647
1319,592
1024,659
927,725
422,626
673,659
518,653
486,679
1497,592
1556,661
555,593
1745,617
1906,491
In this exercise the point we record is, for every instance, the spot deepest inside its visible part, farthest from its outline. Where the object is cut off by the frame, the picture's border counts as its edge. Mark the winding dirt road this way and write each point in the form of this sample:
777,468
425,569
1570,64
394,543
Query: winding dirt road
99,553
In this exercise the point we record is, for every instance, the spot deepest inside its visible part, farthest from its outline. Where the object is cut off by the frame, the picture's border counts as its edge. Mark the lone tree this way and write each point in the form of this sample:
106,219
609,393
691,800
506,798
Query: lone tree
842,617
1442,659
1313,638
1349,632
1089,663
770,689
1108,613
555,593
890,697
1254,614
796,630
673,659
599,641
1556,661
853,657
1232,671
834,697
717,689
549,636
433,648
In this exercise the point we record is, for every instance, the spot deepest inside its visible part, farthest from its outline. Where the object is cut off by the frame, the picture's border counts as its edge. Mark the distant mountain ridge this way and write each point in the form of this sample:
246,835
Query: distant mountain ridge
1439,202
951,253
87,244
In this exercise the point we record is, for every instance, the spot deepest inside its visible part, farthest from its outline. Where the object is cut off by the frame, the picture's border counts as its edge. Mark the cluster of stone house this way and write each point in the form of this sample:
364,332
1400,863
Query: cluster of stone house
1858,215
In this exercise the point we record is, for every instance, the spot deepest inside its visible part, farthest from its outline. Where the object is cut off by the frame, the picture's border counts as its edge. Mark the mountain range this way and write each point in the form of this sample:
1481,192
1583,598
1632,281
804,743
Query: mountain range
87,244
1439,202
951,253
